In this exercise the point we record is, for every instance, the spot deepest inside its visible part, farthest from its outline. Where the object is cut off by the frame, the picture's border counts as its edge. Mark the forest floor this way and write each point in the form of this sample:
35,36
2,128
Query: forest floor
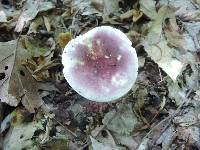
39,110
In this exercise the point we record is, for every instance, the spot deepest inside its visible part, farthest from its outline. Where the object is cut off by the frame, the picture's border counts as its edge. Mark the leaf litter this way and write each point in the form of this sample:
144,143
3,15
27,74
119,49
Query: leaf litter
39,110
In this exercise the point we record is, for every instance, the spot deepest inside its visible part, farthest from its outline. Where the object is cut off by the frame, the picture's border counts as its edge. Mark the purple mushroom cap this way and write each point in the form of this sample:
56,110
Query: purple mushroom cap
100,65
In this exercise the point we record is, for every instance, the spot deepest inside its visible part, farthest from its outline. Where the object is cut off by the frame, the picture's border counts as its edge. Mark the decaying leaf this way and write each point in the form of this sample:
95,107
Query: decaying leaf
35,24
175,38
178,89
167,138
126,15
86,7
171,58
30,11
57,144
98,4
15,118
40,68
188,118
122,120
19,137
47,23
148,8
5,124
99,146
18,83
3,17
184,9
35,47
110,7
135,14
127,141
158,135
189,134
176,92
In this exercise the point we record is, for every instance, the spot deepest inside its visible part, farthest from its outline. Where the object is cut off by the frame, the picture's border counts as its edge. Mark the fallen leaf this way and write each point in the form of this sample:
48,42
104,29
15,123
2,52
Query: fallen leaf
126,15
178,89
3,17
183,9
6,123
137,15
35,24
148,8
189,118
34,46
47,23
19,137
193,30
158,49
30,11
98,4
177,39
110,7
57,143
176,92
161,133
99,146
18,83
189,134
122,120
167,137
127,141
85,7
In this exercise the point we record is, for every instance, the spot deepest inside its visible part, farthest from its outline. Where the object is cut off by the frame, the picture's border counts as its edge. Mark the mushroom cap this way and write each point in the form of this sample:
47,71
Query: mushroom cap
100,65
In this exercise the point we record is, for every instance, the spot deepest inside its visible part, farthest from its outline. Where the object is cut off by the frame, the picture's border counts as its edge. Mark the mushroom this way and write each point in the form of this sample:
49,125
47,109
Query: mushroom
100,65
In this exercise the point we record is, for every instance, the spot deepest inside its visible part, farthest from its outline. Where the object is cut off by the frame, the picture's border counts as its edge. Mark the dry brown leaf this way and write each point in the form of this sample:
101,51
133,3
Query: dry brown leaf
39,69
19,84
